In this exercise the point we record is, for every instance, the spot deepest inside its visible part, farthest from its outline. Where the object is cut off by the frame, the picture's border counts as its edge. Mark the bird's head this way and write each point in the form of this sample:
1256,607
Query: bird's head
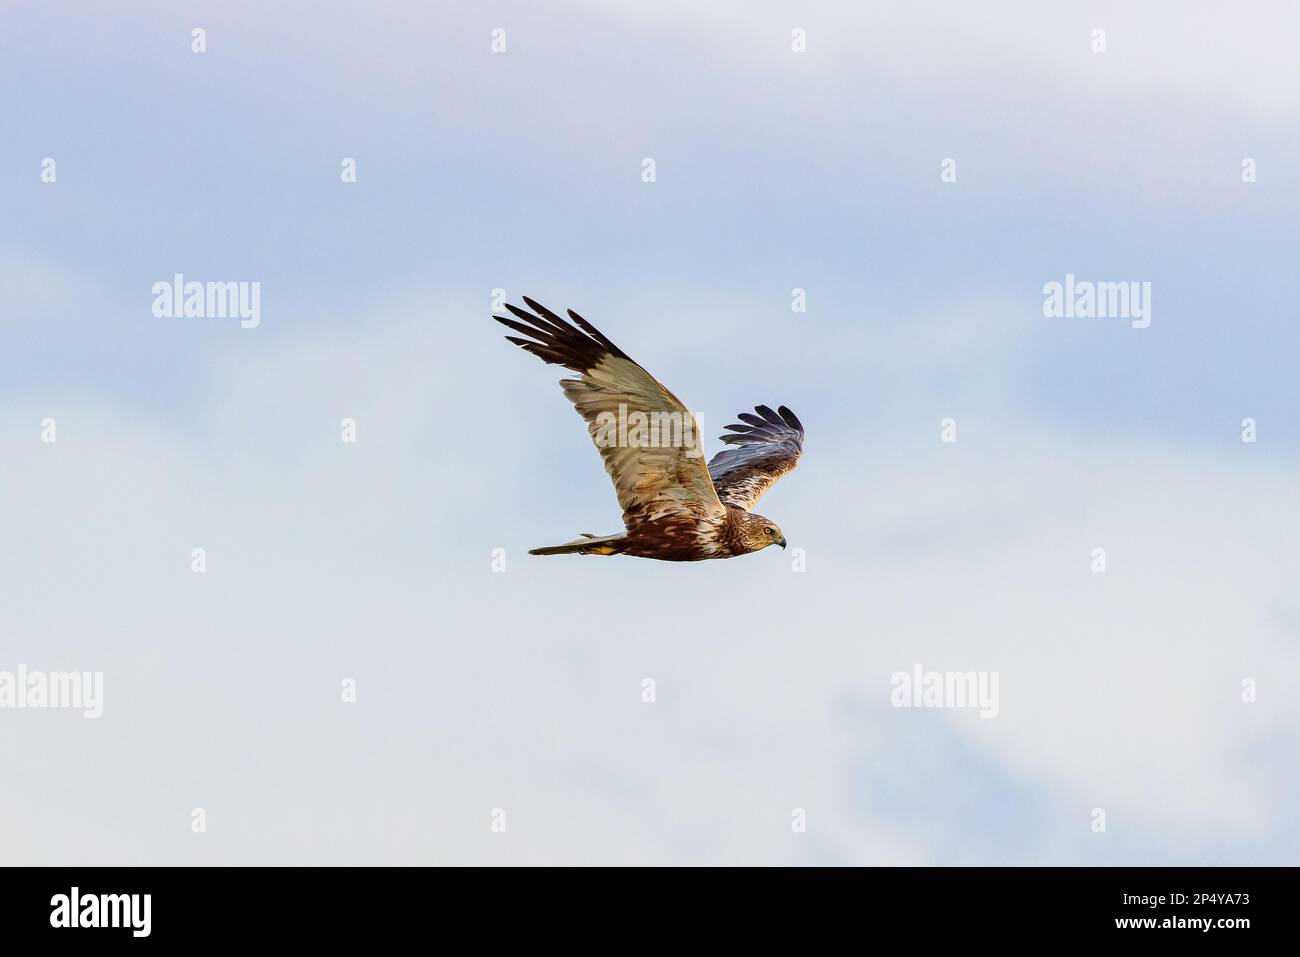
758,532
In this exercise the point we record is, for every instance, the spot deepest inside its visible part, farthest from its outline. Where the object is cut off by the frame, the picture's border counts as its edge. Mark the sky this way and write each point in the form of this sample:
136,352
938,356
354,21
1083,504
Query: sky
500,713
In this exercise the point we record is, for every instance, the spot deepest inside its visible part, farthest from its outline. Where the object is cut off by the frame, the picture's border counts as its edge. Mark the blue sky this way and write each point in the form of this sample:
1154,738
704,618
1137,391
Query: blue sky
775,170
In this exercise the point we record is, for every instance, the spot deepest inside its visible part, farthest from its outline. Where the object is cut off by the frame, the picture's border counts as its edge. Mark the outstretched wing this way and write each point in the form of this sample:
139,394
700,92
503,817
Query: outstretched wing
656,471
762,451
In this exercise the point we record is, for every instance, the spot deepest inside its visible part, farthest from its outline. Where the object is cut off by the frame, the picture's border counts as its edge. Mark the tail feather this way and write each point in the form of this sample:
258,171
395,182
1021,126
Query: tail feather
587,545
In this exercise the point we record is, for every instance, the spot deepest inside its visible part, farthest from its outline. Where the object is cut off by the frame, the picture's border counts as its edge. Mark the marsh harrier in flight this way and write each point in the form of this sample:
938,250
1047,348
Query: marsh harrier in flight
675,508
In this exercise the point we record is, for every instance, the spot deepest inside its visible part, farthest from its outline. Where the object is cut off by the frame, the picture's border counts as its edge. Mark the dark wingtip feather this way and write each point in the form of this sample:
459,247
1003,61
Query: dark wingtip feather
791,419
597,335
551,319
542,322
546,338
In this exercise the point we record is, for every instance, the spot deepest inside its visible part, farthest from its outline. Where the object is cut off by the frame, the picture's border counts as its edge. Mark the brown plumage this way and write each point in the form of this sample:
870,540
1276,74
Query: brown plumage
675,507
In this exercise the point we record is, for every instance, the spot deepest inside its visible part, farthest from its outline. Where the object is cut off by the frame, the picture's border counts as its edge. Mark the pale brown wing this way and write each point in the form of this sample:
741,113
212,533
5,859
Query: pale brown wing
762,450
658,469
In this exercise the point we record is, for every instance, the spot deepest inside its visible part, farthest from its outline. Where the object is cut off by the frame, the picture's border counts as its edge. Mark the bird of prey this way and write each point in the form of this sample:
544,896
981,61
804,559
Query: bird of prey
675,508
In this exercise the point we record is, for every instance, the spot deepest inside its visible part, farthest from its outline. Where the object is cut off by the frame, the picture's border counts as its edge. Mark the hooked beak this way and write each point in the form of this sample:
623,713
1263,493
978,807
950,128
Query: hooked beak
782,544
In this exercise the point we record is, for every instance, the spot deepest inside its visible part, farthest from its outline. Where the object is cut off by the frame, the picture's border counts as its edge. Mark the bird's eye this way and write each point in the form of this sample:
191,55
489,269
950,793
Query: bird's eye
770,532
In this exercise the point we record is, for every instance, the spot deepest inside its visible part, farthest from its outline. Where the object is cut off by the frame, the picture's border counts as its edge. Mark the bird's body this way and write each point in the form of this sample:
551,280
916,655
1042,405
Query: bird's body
675,507
685,536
